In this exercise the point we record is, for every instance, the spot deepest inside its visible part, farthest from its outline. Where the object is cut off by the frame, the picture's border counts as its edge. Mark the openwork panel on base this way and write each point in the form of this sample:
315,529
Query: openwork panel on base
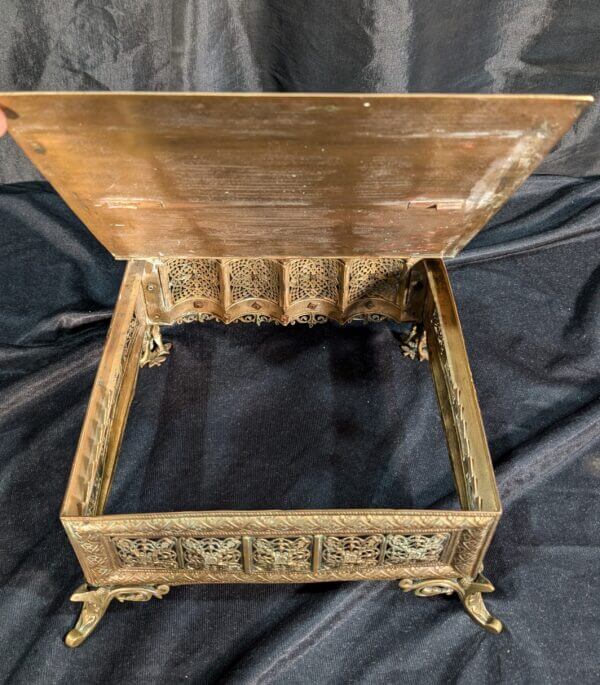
289,554
223,554
282,554
146,552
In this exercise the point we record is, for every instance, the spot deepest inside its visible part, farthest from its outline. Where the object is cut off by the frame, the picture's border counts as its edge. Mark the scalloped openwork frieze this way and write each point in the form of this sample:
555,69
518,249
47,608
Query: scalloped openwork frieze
375,278
314,279
254,279
287,291
194,278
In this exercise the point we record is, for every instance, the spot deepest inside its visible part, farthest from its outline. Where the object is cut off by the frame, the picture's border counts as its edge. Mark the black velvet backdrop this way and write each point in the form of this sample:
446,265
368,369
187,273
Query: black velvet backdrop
461,46
247,417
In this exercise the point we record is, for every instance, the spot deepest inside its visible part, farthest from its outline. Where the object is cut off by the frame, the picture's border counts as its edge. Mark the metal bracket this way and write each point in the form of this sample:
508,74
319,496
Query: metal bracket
414,344
154,351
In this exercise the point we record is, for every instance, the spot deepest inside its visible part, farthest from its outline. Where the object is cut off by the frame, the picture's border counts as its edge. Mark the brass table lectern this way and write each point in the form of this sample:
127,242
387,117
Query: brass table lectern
287,208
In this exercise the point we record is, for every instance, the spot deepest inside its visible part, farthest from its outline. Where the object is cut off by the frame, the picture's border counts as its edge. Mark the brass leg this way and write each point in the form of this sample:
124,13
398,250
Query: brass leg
95,603
468,590
154,351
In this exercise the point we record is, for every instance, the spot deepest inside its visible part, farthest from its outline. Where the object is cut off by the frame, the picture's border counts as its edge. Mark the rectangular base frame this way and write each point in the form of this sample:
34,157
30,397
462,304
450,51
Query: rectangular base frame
138,556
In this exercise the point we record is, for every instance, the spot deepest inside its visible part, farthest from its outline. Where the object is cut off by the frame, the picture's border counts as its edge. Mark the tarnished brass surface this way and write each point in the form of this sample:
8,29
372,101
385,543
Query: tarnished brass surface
287,209
469,591
217,547
282,546
465,435
286,291
154,351
286,175
95,603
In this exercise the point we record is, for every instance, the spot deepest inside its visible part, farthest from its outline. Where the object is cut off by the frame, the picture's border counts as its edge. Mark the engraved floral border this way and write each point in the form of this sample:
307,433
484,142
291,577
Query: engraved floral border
91,539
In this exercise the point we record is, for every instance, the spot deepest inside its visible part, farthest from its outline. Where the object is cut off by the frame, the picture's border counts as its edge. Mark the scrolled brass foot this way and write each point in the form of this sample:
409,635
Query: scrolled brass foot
154,350
469,591
96,601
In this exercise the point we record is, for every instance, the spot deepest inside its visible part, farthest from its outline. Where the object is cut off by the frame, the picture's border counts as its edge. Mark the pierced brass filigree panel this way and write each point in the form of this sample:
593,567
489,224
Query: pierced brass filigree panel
254,279
212,554
352,550
376,278
193,279
314,279
282,554
242,555
401,549
146,553
286,291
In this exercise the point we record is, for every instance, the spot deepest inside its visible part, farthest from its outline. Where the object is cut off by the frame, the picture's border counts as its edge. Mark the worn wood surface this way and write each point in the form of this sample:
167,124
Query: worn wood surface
233,175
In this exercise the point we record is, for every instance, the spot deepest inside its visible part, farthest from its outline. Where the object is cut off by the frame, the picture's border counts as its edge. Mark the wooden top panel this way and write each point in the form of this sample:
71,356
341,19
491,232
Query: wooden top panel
228,175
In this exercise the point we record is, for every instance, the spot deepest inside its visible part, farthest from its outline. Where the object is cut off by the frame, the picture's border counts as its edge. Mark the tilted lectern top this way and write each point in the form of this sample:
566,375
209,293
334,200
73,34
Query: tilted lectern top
289,208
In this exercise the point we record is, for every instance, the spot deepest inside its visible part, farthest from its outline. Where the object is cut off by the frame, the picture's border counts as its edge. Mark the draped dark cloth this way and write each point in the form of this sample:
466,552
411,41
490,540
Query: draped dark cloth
331,416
